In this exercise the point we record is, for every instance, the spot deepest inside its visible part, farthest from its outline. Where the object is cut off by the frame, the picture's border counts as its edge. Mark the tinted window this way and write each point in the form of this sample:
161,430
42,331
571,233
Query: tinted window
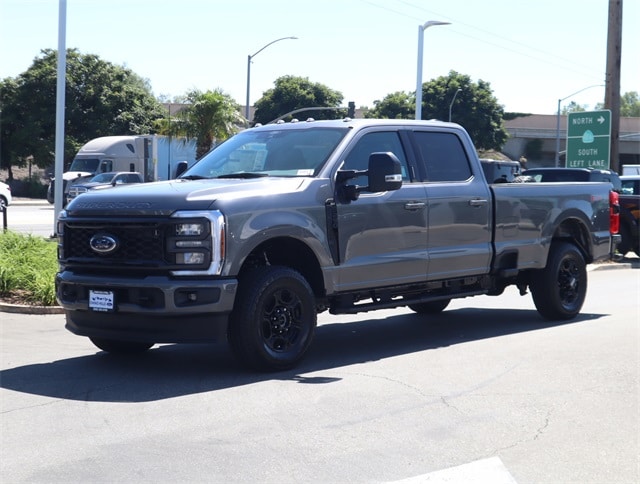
85,164
102,178
559,176
631,187
443,155
375,142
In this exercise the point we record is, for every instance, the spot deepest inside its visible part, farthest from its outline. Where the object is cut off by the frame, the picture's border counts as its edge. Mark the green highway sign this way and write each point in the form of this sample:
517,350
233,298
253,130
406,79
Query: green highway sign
589,139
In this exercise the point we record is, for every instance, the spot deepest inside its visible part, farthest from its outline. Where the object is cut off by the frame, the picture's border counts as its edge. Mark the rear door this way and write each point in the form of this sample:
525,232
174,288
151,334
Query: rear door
382,237
459,205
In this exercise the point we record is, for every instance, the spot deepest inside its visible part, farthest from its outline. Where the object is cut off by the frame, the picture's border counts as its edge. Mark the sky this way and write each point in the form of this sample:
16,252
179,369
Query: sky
531,52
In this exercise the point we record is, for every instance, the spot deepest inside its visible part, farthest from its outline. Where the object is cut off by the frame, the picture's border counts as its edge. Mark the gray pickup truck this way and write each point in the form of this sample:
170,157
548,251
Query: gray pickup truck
284,221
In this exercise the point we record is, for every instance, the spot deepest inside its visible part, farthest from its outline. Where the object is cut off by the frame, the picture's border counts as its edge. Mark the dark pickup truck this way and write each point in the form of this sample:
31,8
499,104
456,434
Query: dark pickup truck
104,180
629,214
284,221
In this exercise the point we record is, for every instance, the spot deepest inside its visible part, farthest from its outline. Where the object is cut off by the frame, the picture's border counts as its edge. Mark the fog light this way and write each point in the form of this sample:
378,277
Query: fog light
191,258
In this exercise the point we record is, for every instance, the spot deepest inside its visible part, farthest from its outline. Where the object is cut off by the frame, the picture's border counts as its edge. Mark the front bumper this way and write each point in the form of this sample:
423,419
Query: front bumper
153,309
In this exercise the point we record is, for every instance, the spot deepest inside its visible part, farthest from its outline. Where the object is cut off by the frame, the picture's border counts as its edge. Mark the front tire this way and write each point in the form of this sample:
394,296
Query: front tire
559,290
121,347
274,319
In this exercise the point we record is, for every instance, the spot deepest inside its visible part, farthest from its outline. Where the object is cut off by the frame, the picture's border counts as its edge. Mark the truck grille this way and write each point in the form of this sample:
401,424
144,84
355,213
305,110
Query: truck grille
140,244
181,245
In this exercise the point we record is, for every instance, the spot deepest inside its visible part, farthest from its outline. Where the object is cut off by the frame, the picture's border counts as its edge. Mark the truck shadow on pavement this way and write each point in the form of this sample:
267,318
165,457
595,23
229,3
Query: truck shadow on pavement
169,371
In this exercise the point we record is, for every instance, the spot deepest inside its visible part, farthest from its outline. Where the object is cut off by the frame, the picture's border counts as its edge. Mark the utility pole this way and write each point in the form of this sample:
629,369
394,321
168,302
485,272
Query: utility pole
612,89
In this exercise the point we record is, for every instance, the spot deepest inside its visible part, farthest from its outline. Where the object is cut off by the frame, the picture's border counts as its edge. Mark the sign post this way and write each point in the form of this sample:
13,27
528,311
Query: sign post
589,139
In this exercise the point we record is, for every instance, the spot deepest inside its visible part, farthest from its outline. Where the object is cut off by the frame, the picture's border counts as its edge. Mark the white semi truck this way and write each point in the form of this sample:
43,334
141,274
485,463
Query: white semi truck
156,157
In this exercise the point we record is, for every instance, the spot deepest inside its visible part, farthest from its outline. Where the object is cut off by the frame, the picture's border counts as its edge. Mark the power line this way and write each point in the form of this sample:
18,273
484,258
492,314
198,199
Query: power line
560,62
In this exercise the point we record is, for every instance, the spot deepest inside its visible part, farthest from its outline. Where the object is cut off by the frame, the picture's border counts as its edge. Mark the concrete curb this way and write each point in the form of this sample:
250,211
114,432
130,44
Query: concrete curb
609,267
26,309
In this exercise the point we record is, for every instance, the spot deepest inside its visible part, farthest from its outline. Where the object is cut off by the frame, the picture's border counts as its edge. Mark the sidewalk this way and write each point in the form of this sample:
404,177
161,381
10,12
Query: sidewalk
28,201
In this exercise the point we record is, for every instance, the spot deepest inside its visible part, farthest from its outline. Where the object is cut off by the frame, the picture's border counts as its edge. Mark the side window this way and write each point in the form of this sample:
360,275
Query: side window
378,141
443,156
106,165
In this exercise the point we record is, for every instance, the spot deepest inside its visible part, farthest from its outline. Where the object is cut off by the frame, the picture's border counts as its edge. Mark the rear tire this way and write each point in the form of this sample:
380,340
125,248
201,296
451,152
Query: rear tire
274,319
433,307
121,347
559,290
626,241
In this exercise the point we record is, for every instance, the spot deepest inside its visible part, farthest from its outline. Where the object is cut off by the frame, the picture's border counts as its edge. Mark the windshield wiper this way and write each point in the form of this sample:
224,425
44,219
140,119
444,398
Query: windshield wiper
193,177
244,174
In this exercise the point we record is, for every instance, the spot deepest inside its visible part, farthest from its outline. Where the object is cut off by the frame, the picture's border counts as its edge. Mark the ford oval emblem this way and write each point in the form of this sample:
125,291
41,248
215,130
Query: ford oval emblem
103,243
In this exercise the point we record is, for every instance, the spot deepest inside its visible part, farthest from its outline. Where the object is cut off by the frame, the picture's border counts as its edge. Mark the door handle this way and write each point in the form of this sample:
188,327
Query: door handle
478,202
414,205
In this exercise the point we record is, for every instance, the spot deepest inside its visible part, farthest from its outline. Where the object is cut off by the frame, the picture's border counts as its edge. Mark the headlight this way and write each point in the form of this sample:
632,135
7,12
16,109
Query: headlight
197,242
189,229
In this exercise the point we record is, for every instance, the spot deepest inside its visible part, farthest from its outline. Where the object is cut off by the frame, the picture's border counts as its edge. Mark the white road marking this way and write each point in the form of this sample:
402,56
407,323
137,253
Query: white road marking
485,471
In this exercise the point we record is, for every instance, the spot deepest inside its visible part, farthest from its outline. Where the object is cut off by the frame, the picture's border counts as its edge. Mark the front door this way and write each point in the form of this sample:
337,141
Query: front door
382,236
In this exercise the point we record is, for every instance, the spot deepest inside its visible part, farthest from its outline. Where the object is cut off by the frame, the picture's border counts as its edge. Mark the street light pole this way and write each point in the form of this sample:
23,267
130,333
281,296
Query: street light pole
246,108
451,105
557,157
421,29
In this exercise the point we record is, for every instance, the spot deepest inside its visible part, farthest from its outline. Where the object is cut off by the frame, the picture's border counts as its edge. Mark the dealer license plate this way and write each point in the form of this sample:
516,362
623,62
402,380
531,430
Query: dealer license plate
101,301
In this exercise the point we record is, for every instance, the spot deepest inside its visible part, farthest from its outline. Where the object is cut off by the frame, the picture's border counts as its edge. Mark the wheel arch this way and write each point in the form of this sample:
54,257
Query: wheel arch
575,230
288,252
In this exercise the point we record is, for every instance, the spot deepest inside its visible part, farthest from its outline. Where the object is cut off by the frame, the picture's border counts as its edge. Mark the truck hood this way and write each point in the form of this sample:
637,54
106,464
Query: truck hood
164,198
76,175
92,185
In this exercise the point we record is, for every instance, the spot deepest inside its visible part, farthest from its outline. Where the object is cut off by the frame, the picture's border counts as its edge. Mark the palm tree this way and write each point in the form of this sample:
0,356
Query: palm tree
208,117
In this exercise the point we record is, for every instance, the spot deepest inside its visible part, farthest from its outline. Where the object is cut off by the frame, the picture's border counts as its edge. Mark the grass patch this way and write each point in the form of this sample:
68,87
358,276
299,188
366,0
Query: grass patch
28,265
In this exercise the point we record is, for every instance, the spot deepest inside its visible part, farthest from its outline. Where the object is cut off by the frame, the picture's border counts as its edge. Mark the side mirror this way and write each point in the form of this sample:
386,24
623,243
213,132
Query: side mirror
385,172
181,168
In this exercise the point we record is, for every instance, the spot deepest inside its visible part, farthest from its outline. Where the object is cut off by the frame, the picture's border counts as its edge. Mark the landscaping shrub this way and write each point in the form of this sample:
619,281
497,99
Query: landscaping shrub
28,265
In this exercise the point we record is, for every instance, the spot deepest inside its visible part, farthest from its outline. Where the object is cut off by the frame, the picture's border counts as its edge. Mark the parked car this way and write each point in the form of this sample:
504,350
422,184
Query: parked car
573,175
5,195
630,214
104,180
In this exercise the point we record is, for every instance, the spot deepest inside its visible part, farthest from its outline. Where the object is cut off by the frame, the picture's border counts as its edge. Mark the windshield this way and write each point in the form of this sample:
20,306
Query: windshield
85,164
278,152
102,178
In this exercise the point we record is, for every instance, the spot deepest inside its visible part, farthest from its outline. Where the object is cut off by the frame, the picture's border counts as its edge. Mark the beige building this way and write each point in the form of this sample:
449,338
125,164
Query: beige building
538,133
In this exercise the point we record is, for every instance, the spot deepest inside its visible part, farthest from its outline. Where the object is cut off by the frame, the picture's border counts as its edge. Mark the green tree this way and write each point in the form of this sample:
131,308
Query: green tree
474,107
291,93
629,105
398,105
533,149
208,117
101,99
573,107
